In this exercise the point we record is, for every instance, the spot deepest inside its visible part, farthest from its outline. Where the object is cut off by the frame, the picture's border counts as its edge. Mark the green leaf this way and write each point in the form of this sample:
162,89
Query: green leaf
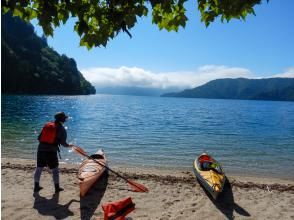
32,15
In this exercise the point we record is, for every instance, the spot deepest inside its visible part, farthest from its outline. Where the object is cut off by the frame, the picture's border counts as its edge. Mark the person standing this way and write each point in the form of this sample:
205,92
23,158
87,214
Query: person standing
51,137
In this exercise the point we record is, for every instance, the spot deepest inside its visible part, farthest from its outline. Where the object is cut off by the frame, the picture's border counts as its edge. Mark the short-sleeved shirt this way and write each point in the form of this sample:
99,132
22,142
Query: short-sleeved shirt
61,136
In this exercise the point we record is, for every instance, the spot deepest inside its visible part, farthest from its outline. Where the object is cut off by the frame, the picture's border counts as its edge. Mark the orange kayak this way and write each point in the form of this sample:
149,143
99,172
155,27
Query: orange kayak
90,171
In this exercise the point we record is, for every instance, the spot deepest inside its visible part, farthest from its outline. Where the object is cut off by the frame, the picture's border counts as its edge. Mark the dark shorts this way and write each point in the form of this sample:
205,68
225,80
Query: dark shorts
49,159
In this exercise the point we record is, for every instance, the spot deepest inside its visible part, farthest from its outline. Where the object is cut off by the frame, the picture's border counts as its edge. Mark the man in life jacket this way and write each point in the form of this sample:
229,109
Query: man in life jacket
51,137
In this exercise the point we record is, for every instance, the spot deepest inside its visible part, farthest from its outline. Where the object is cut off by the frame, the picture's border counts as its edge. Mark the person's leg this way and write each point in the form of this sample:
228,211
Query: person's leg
55,173
37,176
53,165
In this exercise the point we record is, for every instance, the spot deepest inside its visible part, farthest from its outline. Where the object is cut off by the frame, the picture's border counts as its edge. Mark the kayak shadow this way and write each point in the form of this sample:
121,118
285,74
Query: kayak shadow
50,207
225,202
90,202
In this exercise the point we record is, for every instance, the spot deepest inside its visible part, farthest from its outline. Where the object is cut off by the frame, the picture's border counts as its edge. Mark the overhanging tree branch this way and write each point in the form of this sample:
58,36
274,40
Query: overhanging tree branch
98,21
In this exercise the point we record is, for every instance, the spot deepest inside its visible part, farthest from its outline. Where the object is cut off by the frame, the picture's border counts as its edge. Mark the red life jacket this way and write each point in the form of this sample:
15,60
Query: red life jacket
48,134
118,210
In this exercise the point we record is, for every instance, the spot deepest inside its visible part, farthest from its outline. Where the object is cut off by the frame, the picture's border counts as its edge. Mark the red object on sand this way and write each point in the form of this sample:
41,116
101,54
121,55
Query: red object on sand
119,209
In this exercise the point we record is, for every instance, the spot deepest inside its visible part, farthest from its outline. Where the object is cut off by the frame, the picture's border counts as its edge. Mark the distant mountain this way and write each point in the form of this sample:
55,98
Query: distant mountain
128,90
280,89
30,66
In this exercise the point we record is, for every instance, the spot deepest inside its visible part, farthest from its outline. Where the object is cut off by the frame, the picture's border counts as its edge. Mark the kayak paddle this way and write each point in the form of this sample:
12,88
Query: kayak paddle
136,187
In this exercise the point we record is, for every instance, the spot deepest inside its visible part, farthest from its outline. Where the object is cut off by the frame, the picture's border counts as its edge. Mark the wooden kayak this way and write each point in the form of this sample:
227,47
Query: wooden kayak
210,174
90,171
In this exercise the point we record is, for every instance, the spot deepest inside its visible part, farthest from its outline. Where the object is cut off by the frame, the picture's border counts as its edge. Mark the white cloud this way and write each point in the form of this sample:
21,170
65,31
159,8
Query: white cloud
134,76
289,73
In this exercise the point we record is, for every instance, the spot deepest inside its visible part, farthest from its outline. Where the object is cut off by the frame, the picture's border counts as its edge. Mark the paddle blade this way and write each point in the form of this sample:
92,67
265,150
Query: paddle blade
137,187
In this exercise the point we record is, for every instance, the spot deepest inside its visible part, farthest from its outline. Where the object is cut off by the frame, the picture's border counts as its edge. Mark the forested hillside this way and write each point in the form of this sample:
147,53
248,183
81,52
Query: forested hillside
30,66
281,89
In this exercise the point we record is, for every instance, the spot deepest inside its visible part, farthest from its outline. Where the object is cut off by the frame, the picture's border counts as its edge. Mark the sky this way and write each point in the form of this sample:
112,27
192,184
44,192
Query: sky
260,47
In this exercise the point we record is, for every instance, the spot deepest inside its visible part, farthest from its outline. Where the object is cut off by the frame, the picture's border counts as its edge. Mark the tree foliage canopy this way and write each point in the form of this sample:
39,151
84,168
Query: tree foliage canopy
101,20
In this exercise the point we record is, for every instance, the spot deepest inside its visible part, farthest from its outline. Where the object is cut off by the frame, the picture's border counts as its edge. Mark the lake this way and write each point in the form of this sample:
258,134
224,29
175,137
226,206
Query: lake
247,137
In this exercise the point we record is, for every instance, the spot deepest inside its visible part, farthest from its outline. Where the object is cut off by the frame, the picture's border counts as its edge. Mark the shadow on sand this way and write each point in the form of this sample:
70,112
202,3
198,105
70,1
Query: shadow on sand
50,207
92,199
225,202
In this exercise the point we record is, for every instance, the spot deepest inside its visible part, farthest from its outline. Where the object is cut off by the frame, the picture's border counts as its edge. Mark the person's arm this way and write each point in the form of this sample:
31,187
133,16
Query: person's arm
62,136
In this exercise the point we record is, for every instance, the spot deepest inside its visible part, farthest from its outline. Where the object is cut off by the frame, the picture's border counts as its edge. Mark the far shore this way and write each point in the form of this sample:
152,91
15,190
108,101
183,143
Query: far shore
173,194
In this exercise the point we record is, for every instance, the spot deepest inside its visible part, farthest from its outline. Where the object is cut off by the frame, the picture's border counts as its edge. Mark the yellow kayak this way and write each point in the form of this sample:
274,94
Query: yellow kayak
210,174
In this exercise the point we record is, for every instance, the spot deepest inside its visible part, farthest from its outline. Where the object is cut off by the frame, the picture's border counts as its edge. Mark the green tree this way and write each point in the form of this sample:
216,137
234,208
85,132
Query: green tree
30,66
101,20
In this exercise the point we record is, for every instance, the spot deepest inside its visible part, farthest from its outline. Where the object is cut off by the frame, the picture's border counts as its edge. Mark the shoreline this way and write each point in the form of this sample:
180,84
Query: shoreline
160,175
166,171
172,194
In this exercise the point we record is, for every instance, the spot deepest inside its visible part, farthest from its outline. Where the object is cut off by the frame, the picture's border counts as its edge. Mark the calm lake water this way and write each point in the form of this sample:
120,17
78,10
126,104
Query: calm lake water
247,137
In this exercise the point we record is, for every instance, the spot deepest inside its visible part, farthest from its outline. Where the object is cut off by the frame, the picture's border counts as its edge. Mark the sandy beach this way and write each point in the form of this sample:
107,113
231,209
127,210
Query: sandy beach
173,195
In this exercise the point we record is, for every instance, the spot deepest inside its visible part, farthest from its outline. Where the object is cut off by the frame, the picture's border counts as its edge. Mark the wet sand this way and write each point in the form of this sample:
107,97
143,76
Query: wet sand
172,195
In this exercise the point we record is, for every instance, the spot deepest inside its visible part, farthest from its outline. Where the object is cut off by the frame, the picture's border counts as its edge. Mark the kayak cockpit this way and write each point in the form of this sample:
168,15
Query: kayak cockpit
206,163
97,156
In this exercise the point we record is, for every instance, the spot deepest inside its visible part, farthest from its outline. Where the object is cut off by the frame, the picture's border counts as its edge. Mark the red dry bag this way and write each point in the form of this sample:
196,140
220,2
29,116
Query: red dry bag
205,157
118,210
48,134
